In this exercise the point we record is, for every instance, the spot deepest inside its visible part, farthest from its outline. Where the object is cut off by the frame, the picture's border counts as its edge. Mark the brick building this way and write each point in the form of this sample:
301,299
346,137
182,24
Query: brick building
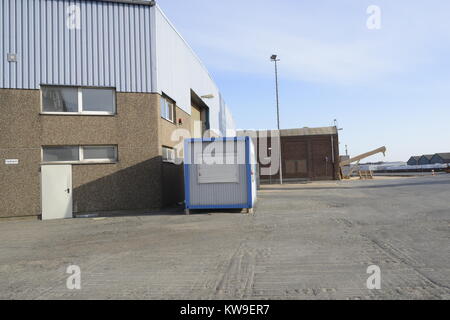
307,153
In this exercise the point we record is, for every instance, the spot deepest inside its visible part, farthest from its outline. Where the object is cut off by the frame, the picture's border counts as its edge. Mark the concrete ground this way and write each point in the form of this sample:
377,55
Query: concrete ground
305,241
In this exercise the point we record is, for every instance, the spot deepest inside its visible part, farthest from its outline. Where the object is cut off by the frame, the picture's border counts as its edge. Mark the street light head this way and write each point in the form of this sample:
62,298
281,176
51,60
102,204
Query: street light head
273,57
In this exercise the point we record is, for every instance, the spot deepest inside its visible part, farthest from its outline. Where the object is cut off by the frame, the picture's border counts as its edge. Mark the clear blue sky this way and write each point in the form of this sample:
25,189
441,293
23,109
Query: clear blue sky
385,87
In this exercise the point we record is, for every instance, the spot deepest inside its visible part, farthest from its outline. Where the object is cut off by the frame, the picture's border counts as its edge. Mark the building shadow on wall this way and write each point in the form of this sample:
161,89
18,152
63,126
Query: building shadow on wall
151,187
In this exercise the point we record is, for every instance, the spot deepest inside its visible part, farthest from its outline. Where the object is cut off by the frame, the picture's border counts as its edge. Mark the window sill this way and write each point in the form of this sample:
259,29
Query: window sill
79,162
77,114
170,121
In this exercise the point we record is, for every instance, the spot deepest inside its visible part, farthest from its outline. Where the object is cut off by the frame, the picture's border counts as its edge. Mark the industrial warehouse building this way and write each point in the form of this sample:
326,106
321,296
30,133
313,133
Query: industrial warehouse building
95,101
437,158
425,159
441,158
413,161
306,153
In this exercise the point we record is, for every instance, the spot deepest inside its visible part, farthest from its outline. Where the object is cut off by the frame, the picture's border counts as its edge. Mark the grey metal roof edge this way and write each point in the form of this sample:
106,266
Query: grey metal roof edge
309,131
142,2
187,44
443,155
317,131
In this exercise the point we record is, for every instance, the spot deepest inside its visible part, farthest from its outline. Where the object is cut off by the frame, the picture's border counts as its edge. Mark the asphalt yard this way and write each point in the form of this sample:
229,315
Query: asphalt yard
304,241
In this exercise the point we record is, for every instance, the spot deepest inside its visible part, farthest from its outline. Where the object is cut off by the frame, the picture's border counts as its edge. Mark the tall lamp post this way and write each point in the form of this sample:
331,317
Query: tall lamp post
275,59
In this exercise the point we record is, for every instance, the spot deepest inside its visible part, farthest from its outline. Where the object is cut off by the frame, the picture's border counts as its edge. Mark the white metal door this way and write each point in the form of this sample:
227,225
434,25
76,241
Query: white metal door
56,184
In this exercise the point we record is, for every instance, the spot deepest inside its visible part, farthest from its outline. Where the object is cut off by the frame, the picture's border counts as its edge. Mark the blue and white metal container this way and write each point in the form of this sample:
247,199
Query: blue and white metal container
220,173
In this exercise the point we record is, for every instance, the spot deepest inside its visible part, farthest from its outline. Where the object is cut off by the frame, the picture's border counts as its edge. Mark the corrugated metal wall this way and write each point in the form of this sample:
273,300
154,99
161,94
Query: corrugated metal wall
217,193
179,68
112,48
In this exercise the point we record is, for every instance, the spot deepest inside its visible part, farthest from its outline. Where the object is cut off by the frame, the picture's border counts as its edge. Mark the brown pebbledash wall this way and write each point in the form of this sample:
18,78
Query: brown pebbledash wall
20,139
167,128
173,179
134,182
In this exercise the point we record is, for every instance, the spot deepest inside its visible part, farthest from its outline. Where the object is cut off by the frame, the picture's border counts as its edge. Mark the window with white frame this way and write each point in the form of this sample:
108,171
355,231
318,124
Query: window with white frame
168,154
79,154
78,100
167,109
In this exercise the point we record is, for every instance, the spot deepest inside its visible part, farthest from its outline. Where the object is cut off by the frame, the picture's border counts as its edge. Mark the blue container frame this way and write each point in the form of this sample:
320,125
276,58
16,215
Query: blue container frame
248,205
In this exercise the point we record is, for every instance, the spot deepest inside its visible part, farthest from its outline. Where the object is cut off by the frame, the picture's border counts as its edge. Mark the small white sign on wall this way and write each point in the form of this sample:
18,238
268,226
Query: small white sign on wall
11,161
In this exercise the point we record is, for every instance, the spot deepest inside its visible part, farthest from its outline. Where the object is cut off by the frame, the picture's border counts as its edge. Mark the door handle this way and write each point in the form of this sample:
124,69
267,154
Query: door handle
68,190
